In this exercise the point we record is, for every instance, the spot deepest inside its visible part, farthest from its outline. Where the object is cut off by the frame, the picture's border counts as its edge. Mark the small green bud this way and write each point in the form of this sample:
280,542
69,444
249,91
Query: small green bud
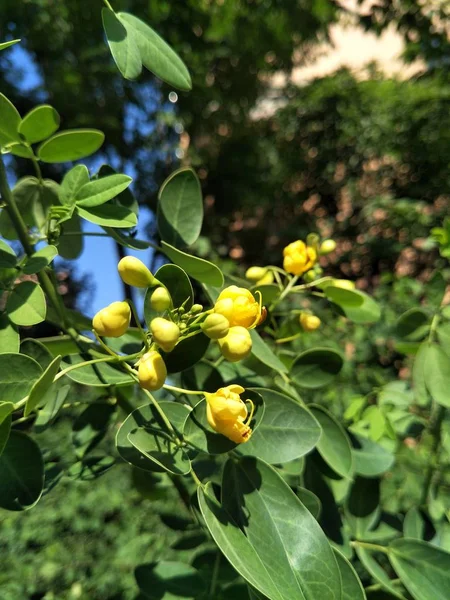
160,300
255,273
196,308
327,246
215,326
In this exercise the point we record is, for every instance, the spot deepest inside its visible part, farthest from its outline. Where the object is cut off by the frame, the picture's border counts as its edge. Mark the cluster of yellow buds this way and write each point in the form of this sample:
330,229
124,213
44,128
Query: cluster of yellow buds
227,413
234,313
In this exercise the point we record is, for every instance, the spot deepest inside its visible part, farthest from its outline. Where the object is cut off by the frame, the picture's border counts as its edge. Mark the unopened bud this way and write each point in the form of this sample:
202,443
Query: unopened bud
196,308
160,300
327,246
135,273
346,284
112,321
309,322
255,273
152,371
266,280
237,345
165,333
215,326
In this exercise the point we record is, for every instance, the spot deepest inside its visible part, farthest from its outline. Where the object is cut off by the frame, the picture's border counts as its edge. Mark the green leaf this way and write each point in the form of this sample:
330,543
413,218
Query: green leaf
412,324
371,459
157,56
287,430
186,353
4,45
6,408
155,445
40,259
8,258
362,507
37,351
147,416
21,150
9,121
26,304
180,208
269,537
90,427
316,367
71,246
265,354
99,374
202,436
343,297
423,569
52,402
5,428
197,268
437,374
179,286
169,581
9,336
17,375
101,190
70,145
109,215
126,240
377,572
41,386
413,525
334,445
352,588
73,181
310,500
21,473
269,293
367,312
39,124
123,45
418,374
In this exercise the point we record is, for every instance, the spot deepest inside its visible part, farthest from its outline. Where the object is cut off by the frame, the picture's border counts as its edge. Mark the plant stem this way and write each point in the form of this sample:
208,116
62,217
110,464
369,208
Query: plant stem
37,168
284,293
435,429
173,388
138,322
374,547
108,5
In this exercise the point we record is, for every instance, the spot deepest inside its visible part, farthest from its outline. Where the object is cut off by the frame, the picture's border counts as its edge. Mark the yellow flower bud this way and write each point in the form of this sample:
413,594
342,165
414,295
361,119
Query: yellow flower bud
160,300
239,306
112,321
215,326
255,273
327,246
227,413
299,258
237,344
346,284
309,322
165,333
152,371
266,280
135,273
196,308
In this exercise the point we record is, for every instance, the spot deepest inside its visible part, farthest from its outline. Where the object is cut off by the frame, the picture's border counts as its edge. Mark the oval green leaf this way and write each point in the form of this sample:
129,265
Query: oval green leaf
178,285
371,459
334,445
352,588
186,353
109,215
343,297
156,55
73,180
26,304
287,430
39,124
40,259
41,386
156,445
98,374
437,374
265,354
70,145
101,190
180,208
5,427
21,473
4,45
8,258
169,581
9,121
9,335
17,376
197,268
316,367
123,45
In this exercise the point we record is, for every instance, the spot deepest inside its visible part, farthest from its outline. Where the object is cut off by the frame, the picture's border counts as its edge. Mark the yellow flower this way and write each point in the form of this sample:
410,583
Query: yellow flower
236,345
165,333
227,413
135,273
160,300
299,258
239,306
112,321
152,371
215,326
309,322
